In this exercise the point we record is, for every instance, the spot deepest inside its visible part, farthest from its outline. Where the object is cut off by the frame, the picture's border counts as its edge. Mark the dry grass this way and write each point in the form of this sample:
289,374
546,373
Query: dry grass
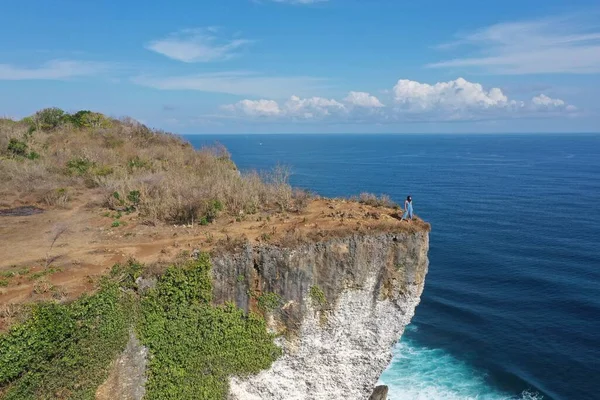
372,200
155,173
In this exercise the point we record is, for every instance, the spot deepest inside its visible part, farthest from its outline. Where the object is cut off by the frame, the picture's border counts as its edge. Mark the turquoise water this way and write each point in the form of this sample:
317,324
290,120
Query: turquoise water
511,307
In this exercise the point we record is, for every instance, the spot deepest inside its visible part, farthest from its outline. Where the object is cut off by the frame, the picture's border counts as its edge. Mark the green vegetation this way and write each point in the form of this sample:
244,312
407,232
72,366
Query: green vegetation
17,147
317,296
79,166
195,346
268,302
13,273
65,350
44,272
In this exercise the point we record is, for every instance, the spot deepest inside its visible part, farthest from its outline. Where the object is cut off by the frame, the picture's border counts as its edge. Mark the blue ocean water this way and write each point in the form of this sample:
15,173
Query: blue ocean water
511,307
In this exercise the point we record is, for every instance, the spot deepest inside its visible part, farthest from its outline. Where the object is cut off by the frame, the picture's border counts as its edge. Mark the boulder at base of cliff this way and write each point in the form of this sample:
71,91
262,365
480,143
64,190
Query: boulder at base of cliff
380,393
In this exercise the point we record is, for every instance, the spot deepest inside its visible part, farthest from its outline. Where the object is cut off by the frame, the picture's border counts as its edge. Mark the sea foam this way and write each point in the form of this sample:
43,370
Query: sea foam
421,373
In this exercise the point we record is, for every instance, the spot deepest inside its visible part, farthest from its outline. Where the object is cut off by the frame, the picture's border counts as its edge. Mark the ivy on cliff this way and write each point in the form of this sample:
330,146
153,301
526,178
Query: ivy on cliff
65,351
194,345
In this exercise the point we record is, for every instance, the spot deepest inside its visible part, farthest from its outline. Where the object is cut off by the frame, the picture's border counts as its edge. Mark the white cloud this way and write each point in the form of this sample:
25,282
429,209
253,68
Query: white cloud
547,103
197,45
313,107
459,94
53,70
457,100
255,108
235,82
553,45
363,99
295,107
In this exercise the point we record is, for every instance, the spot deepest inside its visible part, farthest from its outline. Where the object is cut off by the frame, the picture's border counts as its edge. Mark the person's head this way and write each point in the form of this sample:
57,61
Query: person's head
409,199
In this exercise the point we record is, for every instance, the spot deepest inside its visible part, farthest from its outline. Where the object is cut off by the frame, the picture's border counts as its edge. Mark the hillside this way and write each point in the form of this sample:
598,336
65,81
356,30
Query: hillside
104,191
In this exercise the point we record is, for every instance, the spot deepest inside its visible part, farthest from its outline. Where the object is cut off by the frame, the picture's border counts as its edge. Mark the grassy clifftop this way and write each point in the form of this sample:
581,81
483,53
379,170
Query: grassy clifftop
47,157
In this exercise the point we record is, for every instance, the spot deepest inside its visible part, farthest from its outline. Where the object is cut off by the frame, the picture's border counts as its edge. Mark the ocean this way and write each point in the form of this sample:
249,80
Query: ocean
511,307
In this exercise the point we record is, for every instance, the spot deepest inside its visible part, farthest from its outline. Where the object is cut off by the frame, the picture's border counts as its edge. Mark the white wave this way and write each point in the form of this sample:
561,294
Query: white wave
421,373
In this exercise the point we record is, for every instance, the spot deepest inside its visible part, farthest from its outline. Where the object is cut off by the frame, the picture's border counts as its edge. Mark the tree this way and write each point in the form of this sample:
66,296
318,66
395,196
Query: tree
49,118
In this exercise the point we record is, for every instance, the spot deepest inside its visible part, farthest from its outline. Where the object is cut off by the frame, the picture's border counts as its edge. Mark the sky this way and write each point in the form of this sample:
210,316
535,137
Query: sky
308,66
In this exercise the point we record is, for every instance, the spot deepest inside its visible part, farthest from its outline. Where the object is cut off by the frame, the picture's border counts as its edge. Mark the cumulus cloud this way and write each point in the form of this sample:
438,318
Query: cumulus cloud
295,107
458,97
53,70
457,100
363,99
255,108
568,44
544,102
197,45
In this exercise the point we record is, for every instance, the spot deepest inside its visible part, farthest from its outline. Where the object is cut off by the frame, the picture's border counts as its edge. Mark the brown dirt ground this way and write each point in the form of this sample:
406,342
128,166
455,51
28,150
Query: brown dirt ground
91,246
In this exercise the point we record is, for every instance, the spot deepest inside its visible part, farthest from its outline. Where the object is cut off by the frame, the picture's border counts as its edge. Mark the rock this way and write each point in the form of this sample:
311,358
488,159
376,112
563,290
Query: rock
143,284
128,374
195,254
349,305
380,393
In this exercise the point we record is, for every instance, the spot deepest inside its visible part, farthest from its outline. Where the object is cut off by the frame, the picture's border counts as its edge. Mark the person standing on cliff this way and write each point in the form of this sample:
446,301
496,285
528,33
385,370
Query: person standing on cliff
408,209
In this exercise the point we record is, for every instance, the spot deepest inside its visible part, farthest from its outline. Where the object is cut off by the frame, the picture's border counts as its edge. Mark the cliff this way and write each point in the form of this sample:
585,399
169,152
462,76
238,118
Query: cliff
344,303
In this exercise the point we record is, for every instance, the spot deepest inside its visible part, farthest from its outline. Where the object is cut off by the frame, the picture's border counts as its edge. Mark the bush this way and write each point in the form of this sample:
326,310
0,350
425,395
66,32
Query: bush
372,200
89,119
268,302
17,147
195,346
49,118
79,166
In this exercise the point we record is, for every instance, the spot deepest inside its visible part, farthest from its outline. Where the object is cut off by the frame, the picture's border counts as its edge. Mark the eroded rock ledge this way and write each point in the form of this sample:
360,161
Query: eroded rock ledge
344,303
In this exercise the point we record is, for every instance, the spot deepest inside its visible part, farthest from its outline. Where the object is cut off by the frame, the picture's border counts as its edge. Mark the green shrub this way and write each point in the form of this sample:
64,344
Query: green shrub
89,119
65,351
134,197
317,296
17,147
49,118
268,302
33,155
213,209
195,346
79,166
137,163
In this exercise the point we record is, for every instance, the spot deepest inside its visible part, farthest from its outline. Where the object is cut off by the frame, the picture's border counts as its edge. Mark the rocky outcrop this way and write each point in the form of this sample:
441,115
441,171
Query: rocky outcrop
128,374
380,393
342,304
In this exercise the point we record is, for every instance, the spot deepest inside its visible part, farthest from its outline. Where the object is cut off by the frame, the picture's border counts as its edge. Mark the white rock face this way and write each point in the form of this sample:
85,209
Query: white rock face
341,354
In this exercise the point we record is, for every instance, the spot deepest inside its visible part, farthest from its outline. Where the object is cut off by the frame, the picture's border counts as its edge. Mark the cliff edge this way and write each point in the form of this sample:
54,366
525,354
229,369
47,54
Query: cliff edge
344,303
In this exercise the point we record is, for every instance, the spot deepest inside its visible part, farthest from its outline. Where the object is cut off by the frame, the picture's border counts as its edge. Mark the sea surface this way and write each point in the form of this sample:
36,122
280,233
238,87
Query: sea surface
511,307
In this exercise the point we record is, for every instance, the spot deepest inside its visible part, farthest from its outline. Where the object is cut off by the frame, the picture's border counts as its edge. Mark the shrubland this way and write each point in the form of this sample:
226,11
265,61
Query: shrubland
52,155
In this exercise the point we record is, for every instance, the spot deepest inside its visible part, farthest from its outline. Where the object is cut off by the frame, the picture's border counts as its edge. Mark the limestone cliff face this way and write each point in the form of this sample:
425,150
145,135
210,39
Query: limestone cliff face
336,348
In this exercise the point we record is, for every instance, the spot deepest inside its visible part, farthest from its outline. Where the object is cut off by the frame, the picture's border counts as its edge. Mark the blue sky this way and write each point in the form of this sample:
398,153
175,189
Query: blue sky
246,66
